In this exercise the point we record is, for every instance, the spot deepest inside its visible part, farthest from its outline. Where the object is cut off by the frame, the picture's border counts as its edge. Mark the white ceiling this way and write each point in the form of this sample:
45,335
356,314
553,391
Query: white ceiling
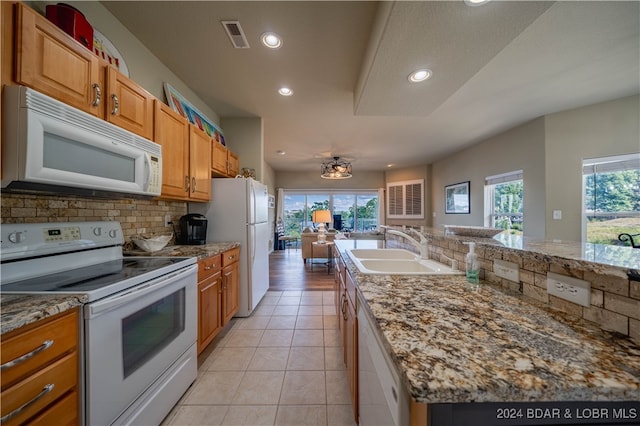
494,66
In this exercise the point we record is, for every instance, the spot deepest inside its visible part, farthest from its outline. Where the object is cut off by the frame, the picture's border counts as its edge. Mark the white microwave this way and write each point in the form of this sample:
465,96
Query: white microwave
53,147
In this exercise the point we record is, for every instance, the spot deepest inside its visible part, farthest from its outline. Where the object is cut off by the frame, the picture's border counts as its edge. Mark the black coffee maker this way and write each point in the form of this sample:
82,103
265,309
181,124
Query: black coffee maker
193,229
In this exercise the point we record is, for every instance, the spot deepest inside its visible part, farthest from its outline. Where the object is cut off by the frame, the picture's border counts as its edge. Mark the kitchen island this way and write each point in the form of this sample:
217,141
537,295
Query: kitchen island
453,342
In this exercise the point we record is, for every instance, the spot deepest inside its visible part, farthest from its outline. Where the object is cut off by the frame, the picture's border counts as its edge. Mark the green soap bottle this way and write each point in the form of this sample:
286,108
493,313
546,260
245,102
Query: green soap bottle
473,269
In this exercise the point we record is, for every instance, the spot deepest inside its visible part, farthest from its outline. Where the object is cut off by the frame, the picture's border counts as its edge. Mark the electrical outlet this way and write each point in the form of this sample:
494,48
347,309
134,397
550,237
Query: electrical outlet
569,288
506,270
557,215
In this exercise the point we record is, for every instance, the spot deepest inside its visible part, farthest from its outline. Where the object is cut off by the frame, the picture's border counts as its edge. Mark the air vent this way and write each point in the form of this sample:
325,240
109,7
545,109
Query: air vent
236,34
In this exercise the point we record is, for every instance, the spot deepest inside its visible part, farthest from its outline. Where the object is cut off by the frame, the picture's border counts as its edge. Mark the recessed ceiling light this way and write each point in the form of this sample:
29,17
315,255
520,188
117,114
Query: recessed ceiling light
280,152
285,91
419,75
476,2
271,40
390,165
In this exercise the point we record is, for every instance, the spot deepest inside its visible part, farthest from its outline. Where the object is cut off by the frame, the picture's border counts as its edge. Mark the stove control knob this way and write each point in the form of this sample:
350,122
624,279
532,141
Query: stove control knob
16,237
113,233
97,231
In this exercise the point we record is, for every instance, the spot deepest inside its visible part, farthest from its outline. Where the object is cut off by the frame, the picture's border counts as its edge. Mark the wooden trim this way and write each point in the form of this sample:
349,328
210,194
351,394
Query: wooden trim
418,416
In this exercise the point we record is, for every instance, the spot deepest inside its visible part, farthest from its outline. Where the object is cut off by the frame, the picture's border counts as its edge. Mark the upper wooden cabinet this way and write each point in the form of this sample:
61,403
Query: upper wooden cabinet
50,61
199,164
224,163
171,130
129,105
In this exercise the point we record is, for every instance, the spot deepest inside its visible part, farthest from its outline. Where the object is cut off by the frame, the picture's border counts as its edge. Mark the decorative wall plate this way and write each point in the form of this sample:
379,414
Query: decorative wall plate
107,51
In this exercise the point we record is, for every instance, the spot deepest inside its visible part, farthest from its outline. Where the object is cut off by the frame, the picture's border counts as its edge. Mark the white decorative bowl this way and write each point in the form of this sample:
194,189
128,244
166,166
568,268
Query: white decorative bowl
471,231
151,244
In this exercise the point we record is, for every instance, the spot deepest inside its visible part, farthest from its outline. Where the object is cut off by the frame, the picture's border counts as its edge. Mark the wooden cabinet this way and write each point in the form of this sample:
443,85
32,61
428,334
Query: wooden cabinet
209,300
199,164
224,163
351,344
40,372
128,105
230,283
346,307
171,130
234,164
186,153
218,294
50,61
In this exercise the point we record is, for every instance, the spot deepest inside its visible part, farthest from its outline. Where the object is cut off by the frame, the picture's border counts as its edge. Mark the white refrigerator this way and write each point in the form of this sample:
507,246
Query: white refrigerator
238,211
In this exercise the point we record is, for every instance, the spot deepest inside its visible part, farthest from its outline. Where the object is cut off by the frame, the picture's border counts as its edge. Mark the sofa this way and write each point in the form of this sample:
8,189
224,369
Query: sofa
309,237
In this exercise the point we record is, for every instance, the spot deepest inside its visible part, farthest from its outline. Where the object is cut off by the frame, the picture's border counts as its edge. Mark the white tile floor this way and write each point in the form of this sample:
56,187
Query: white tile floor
281,366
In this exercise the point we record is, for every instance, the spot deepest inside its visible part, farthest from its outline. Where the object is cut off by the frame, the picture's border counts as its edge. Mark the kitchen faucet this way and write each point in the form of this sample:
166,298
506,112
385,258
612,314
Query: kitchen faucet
422,245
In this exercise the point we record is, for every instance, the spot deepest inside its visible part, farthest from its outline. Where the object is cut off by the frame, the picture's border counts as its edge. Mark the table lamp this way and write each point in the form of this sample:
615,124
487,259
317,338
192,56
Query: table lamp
321,217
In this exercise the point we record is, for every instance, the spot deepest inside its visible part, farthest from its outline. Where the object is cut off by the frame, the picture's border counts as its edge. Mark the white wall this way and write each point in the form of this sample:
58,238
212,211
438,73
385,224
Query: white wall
520,148
608,128
549,150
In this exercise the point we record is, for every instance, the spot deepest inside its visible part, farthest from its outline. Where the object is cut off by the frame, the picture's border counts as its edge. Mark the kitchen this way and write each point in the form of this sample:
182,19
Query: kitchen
541,147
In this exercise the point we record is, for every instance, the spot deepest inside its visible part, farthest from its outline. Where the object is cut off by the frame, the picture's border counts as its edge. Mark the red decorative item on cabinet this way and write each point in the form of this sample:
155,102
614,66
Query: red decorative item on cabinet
72,22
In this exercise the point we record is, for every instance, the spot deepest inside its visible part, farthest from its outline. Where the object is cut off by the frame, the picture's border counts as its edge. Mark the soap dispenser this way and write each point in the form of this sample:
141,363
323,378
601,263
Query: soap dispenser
473,270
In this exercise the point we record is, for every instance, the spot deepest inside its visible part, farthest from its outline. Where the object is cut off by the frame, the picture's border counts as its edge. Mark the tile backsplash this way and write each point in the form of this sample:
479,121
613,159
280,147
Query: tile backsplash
615,300
135,216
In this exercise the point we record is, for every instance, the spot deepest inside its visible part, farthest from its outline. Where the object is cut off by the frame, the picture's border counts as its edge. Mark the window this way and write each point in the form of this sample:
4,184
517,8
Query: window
504,195
611,198
405,200
351,210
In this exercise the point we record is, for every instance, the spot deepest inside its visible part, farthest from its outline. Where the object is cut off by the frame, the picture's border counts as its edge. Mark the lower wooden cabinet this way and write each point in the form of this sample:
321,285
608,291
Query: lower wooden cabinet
40,372
218,294
230,283
346,307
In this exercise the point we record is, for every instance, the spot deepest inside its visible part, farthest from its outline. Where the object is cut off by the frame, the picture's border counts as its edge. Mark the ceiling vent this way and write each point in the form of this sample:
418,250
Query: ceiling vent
236,34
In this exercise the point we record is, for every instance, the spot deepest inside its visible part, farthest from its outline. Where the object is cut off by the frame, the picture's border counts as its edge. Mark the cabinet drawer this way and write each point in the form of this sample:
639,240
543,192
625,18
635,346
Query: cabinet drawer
208,266
230,256
62,332
62,413
62,374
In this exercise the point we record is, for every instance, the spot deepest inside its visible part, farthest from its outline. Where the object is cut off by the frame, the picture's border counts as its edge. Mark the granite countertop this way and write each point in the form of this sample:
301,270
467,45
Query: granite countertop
19,310
454,342
199,251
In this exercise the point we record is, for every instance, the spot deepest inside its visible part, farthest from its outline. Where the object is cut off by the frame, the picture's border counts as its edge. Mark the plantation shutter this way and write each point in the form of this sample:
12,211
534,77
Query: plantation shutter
405,200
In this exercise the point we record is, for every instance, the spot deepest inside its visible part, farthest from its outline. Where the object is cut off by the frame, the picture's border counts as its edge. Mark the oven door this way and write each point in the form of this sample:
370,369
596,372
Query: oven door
132,337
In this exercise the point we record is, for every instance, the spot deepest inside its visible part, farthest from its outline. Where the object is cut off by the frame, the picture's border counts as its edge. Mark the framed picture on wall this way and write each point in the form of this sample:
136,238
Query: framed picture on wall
457,198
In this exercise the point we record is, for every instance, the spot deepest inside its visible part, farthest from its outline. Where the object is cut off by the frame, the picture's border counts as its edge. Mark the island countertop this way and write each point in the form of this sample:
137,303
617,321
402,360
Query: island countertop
454,342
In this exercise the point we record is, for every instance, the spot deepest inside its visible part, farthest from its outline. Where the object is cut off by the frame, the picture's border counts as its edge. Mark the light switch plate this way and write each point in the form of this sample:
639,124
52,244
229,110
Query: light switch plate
557,214
506,270
569,288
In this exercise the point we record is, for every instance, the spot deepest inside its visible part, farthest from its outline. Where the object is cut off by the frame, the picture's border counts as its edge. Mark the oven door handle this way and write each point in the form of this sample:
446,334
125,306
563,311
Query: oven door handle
136,292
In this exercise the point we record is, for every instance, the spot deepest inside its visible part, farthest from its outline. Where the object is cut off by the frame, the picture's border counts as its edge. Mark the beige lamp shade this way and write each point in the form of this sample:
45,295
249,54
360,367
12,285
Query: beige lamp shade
321,216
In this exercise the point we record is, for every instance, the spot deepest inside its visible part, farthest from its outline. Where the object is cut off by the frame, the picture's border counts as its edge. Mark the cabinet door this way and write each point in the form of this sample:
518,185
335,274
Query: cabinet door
231,282
233,164
171,130
209,316
218,159
199,164
129,105
50,61
351,355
